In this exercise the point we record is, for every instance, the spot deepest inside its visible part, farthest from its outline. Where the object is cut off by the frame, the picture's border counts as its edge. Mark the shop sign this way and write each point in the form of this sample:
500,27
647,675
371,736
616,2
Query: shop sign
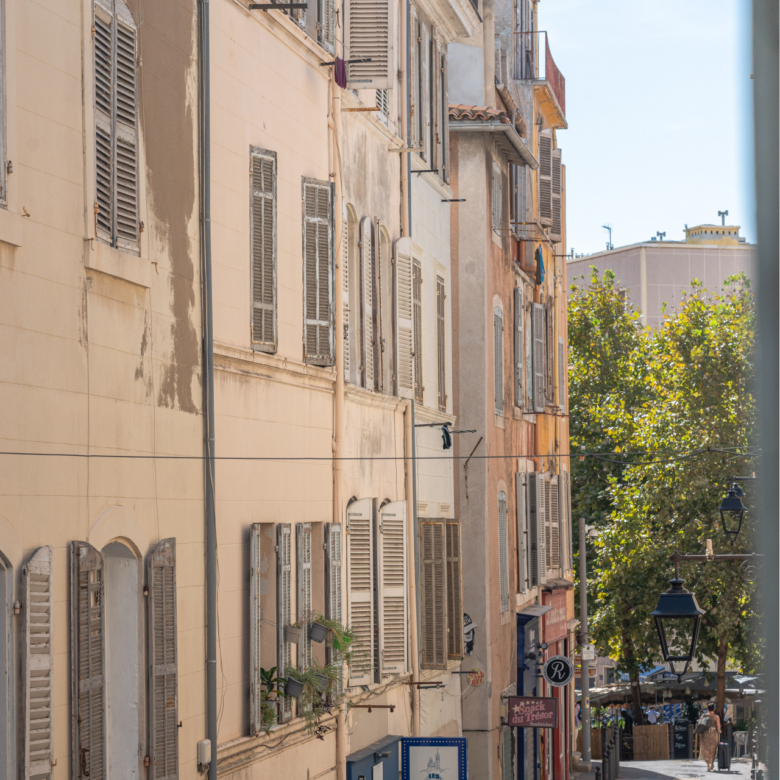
533,712
589,652
436,757
558,671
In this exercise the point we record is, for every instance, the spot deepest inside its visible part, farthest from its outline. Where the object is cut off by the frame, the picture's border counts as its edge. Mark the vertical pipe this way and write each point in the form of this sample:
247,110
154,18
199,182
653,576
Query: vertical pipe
208,384
406,122
584,698
411,501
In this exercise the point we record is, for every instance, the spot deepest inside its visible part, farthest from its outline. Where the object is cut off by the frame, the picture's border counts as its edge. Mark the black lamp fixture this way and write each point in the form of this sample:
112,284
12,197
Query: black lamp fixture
677,620
732,512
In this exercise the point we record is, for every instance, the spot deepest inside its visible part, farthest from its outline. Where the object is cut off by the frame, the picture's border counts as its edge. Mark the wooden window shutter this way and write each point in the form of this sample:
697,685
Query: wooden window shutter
333,592
425,93
498,360
454,574
163,662
360,589
304,603
435,104
104,122
545,178
549,349
507,753
503,551
367,303
37,659
255,629
556,230
404,322
345,292
496,205
554,522
521,506
318,272
263,243
445,111
518,345
419,387
414,77
327,24
536,517
392,579
433,594
441,344
88,637
564,504
379,304
283,610
561,375
369,35
537,328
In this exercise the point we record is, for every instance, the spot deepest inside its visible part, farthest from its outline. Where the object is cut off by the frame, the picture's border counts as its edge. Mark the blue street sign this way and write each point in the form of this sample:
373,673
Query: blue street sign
442,758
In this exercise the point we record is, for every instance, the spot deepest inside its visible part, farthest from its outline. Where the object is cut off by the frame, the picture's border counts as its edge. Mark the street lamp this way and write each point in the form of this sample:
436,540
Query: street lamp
732,512
677,620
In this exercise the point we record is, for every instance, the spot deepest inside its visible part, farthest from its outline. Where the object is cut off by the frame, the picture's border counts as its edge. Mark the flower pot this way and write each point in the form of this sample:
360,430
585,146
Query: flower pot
318,632
321,681
292,634
293,688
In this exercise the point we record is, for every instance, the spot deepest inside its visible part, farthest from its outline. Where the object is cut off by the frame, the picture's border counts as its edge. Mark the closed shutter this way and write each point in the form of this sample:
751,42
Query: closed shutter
496,205
425,93
433,594
564,504
367,296
441,344
255,628
518,344
404,322
380,267
561,375
549,351
521,505
37,658
369,35
283,610
318,272
345,291
391,581
360,589
163,662
88,634
507,754
333,591
454,591
327,24
104,122
537,328
419,387
445,110
554,523
263,247
536,518
556,231
503,551
545,178
126,132
414,76
304,604
435,103
498,360
382,102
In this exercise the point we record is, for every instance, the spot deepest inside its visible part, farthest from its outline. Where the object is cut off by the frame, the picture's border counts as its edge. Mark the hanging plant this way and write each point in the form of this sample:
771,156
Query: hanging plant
320,691
340,637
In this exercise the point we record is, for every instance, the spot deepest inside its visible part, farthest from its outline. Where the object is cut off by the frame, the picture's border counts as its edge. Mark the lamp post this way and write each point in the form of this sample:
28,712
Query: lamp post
586,532
732,512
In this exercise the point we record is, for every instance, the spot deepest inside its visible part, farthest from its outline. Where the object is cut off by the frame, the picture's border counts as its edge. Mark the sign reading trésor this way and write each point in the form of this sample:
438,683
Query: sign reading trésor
533,712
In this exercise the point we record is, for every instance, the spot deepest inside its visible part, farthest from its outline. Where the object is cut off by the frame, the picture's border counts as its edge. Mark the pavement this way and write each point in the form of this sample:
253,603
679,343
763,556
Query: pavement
675,770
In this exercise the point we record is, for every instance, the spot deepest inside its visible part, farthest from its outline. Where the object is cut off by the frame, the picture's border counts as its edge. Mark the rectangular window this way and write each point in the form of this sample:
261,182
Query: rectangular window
498,360
419,388
454,591
521,505
519,346
497,204
503,551
441,344
537,335
262,239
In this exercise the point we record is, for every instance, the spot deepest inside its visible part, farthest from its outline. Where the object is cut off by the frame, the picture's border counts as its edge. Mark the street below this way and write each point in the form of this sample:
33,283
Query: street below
673,770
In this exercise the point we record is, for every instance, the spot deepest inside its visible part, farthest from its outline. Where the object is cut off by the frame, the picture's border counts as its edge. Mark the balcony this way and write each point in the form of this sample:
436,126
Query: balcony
535,63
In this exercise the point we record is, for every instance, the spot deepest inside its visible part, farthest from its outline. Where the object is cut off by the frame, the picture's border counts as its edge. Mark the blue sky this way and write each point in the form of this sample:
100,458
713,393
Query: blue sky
658,101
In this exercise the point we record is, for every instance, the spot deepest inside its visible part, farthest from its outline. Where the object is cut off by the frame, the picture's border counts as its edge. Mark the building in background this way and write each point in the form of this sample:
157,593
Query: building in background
658,274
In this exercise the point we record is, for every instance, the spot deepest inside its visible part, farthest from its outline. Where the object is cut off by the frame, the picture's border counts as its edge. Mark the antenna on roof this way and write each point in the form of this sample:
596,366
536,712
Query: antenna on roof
609,243
661,236
723,215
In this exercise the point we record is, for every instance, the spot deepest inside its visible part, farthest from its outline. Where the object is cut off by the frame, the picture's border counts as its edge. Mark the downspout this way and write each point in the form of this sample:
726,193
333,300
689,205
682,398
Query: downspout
488,49
204,117
406,122
411,502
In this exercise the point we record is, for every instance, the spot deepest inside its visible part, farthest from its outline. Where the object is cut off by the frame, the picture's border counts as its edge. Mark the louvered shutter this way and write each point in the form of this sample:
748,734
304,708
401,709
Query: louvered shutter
507,754
496,205
414,77
545,177
104,122
503,551
435,104
564,504
445,109
283,610
126,132
536,518
380,303
304,603
554,523
369,35
367,296
556,231
263,243
549,348
333,592
163,662
318,272
561,375
88,727
454,576
433,594
404,322
255,628
327,31
419,387
537,334
425,93
521,504
345,292
391,580
518,345
360,589
37,659
498,360
441,344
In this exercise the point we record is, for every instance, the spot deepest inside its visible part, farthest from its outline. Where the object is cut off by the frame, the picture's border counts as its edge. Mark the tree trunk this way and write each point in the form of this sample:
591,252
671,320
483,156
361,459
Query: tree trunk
636,697
721,689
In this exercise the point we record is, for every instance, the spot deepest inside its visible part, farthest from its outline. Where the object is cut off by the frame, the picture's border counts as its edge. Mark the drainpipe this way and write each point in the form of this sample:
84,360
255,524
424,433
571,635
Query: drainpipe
411,502
208,384
406,122
489,51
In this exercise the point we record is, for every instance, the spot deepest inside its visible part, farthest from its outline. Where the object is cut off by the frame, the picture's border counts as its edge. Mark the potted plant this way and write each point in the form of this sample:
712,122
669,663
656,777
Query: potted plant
342,638
295,682
318,632
318,695
292,633
271,684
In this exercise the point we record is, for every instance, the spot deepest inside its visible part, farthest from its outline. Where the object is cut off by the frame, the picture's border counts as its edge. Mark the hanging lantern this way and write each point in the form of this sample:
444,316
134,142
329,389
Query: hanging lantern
732,512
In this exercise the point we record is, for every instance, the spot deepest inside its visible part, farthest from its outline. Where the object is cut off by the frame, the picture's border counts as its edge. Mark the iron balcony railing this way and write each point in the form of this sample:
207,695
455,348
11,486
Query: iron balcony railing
534,61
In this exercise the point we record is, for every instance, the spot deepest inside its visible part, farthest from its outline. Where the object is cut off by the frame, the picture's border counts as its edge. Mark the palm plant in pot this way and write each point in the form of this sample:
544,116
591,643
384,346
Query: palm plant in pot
319,691
271,684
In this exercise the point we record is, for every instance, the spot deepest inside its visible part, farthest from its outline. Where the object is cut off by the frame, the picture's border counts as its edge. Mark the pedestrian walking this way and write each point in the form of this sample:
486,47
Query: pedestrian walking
708,728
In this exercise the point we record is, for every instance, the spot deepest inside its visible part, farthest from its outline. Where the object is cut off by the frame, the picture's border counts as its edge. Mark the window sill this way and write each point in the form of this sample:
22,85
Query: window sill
11,227
122,265
496,237
499,420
